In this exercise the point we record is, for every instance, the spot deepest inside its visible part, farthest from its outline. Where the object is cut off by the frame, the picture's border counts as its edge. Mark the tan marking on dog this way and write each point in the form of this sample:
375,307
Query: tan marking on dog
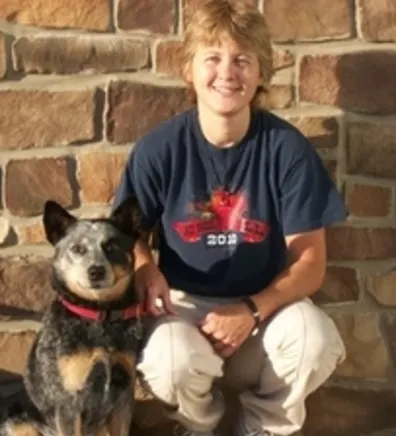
22,429
120,271
127,360
75,369
106,294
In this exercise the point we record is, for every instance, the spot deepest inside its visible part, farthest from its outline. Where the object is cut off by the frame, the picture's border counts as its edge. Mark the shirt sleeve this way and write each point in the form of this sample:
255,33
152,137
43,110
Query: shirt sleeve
308,197
140,178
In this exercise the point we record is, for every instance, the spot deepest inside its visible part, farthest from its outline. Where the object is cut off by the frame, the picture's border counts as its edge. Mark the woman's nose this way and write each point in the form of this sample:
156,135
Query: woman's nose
226,69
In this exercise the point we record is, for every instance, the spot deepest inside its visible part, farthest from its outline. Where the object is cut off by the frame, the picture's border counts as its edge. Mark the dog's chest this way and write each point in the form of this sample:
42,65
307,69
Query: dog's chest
95,349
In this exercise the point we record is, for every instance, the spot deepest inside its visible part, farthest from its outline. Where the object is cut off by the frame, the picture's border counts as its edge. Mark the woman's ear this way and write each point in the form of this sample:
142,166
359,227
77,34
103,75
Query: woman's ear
186,73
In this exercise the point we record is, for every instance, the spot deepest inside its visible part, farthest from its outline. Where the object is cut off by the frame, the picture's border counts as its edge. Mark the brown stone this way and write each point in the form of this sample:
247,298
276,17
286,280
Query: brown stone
337,411
156,16
321,131
107,168
299,20
368,201
388,324
371,150
282,59
367,355
382,288
348,243
340,286
168,55
377,20
31,233
71,54
80,14
24,284
279,97
31,182
360,81
136,108
3,61
14,349
48,118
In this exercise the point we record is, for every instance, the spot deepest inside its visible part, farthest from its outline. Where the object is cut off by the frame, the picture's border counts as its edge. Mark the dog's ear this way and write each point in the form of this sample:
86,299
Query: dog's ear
127,216
56,221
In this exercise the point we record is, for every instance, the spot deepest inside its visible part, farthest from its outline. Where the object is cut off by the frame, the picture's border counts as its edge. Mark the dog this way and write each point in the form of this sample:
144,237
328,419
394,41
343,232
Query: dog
81,369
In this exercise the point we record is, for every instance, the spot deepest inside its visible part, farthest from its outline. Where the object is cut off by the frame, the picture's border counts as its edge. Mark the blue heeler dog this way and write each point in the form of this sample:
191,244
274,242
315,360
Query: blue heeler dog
81,370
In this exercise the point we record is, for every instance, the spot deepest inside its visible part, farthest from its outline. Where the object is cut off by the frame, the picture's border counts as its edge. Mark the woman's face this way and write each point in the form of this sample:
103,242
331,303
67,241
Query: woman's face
224,76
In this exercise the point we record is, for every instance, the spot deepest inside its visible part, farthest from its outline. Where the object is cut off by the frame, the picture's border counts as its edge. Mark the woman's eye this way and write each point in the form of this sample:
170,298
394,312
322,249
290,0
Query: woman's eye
78,249
242,61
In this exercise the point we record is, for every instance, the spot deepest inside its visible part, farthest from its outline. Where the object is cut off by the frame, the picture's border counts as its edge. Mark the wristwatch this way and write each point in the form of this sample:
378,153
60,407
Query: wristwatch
253,309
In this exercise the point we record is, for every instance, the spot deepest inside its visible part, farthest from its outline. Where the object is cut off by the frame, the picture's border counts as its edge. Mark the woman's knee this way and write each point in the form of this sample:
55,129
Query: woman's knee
176,355
306,333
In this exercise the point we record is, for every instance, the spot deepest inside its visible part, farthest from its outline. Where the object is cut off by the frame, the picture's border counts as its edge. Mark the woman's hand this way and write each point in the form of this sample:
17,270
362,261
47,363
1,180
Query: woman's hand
152,285
228,327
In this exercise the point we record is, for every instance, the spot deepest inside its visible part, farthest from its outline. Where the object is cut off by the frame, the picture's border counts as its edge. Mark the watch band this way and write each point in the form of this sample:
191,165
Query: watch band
252,306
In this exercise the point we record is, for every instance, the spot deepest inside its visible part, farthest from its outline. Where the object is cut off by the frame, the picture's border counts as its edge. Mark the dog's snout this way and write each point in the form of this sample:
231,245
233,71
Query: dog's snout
96,272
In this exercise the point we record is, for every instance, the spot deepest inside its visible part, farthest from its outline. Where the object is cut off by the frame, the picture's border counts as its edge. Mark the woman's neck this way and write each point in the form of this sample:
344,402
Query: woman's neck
224,131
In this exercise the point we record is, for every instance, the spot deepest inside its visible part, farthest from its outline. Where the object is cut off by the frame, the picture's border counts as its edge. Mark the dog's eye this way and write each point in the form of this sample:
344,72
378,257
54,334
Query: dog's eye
110,246
78,249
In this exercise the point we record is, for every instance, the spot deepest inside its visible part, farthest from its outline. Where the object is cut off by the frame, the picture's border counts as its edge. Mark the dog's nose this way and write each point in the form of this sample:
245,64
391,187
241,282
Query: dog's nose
96,272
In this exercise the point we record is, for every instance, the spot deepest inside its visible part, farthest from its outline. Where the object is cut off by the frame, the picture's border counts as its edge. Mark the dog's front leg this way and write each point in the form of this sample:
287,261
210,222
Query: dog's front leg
68,421
123,376
120,420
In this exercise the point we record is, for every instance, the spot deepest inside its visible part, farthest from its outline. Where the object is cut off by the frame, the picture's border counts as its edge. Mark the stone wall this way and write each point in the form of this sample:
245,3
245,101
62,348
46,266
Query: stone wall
81,80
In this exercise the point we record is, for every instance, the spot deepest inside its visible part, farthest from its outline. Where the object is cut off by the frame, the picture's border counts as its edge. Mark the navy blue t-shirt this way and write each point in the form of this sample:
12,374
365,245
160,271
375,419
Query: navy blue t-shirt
223,213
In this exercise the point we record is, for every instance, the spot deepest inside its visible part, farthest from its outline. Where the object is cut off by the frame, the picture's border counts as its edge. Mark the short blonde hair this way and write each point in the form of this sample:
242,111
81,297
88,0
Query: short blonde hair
239,20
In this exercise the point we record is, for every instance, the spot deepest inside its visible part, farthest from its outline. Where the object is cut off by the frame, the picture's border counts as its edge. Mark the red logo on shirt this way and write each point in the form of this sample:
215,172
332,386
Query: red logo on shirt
221,219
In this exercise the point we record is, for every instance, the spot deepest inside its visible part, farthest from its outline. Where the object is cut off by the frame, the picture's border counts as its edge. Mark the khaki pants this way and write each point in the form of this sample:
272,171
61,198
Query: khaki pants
295,351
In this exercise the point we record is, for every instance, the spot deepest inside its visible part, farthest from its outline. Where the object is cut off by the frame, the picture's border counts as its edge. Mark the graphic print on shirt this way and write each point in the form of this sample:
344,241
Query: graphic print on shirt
222,220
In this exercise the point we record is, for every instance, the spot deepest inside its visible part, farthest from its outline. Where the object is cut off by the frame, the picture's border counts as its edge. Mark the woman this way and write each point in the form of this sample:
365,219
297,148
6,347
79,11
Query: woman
243,201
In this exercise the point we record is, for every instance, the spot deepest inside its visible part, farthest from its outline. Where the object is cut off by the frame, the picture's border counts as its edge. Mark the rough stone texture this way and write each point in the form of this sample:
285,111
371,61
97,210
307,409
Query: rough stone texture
388,324
368,201
48,118
361,333
347,243
168,55
14,348
360,81
130,103
279,97
31,233
31,182
150,15
341,285
382,288
107,168
79,14
371,150
337,411
75,54
24,284
321,131
299,20
377,19
3,61
282,59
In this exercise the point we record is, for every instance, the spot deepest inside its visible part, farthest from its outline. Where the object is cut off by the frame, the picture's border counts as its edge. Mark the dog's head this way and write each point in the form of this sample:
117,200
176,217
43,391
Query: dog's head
93,259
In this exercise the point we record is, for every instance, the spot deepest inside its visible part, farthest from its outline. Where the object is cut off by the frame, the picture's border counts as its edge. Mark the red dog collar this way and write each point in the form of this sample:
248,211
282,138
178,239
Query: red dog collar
135,311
